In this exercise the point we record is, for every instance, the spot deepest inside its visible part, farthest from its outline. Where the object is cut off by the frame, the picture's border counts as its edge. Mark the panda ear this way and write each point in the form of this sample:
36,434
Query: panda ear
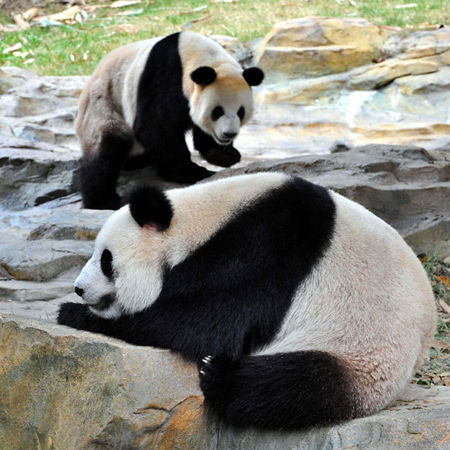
203,75
150,206
253,76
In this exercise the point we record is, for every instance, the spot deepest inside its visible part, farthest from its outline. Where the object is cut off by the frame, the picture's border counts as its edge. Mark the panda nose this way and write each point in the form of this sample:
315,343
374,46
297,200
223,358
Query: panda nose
229,135
79,291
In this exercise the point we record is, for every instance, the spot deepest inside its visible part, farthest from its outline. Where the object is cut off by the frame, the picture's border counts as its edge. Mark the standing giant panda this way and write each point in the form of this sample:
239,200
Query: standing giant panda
300,306
141,100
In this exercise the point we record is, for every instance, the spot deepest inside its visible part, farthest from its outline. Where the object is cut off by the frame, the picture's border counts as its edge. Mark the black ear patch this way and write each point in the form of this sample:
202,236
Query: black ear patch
253,76
203,75
150,206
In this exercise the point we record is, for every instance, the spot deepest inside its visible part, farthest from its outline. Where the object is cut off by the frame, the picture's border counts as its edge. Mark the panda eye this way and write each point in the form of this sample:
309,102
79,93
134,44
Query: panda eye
217,112
241,113
106,264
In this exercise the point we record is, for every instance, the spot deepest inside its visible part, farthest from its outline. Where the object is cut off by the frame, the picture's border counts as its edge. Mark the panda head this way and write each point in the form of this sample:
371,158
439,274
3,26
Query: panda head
222,101
124,274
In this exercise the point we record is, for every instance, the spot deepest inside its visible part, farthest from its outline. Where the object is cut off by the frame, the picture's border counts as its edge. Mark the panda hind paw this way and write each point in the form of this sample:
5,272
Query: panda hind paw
217,375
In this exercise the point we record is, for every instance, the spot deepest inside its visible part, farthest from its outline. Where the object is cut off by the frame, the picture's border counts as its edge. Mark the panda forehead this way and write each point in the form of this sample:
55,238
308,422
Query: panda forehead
119,231
222,96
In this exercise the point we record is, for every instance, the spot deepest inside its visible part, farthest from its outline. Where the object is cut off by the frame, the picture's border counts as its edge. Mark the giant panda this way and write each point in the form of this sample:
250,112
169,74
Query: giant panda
300,306
141,100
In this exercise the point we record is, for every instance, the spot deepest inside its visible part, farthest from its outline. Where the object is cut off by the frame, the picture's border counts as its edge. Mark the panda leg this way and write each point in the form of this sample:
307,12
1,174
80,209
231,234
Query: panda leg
174,160
223,156
98,176
282,391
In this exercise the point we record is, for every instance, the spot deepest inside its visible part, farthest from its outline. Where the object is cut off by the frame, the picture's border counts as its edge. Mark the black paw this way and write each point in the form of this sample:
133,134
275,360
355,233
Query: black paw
186,175
217,376
112,202
73,315
223,156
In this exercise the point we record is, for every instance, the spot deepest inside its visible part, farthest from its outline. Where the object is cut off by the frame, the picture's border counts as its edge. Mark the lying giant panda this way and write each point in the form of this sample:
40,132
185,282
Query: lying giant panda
299,305
141,100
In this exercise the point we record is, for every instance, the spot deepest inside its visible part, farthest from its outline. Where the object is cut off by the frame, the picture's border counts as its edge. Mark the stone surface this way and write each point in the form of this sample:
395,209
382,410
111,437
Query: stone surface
315,46
61,388
400,96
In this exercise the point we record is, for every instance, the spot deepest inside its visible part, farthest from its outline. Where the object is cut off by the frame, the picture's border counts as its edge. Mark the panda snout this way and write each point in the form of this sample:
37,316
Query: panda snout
229,134
79,291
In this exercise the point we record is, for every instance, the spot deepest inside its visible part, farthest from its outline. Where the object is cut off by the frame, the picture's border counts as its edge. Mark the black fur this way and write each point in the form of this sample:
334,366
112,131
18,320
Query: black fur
98,176
162,115
106,264
204,75
229,297
220,155
254,76
149,205
282,391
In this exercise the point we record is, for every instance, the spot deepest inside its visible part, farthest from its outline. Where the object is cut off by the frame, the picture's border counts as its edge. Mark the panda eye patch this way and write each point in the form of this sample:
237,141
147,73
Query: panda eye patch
217,112
106,264
241,113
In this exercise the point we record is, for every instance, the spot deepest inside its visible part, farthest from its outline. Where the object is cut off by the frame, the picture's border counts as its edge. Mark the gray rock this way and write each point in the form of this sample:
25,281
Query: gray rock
61,388
32,173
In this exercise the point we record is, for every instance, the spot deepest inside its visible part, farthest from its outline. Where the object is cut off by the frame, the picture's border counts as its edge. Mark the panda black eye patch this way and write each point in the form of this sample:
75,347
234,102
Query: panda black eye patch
106,264
217,112
241,113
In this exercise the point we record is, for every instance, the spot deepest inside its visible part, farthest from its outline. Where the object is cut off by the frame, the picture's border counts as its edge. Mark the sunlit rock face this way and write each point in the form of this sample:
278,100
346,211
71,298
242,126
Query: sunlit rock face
395,91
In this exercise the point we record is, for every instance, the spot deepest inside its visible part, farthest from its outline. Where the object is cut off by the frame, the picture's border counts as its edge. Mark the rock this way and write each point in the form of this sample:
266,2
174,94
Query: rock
378,75
32,173
65,389
41,260
315,46
61,388
418,44
438,81
398,97
241,52
39,108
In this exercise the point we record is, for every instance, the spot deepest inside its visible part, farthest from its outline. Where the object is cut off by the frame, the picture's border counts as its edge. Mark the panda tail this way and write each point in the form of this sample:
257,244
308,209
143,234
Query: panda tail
281,391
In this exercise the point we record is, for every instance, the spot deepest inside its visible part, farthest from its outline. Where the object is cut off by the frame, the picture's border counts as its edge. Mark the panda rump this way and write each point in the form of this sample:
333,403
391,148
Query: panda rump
299,306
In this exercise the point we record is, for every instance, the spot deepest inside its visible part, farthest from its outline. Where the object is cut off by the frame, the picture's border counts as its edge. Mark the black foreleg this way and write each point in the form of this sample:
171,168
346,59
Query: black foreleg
133,329
99,174
282,391
173,160
223,156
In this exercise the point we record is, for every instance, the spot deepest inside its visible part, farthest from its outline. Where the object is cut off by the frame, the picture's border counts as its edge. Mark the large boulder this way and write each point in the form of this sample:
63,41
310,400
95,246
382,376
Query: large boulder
61,388
315,46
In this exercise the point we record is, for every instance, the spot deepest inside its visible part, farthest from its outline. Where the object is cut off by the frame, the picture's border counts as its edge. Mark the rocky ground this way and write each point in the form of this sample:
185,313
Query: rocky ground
377,133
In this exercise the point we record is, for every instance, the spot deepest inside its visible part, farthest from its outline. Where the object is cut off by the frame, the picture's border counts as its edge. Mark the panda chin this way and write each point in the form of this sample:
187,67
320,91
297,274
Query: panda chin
221,142
105,302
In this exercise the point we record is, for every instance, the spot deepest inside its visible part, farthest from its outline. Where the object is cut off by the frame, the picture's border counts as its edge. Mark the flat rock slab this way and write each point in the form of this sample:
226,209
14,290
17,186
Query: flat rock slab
61,388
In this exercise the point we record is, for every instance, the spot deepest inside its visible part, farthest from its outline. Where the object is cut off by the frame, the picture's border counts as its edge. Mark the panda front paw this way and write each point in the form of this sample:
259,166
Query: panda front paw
223,156
73,315
185,175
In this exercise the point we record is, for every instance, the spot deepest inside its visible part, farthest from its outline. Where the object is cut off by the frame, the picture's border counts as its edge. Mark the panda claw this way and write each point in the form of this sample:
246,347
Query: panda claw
207,359
202,372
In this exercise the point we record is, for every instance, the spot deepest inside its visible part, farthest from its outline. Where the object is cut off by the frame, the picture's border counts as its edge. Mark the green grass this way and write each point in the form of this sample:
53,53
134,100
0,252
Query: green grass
77,49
